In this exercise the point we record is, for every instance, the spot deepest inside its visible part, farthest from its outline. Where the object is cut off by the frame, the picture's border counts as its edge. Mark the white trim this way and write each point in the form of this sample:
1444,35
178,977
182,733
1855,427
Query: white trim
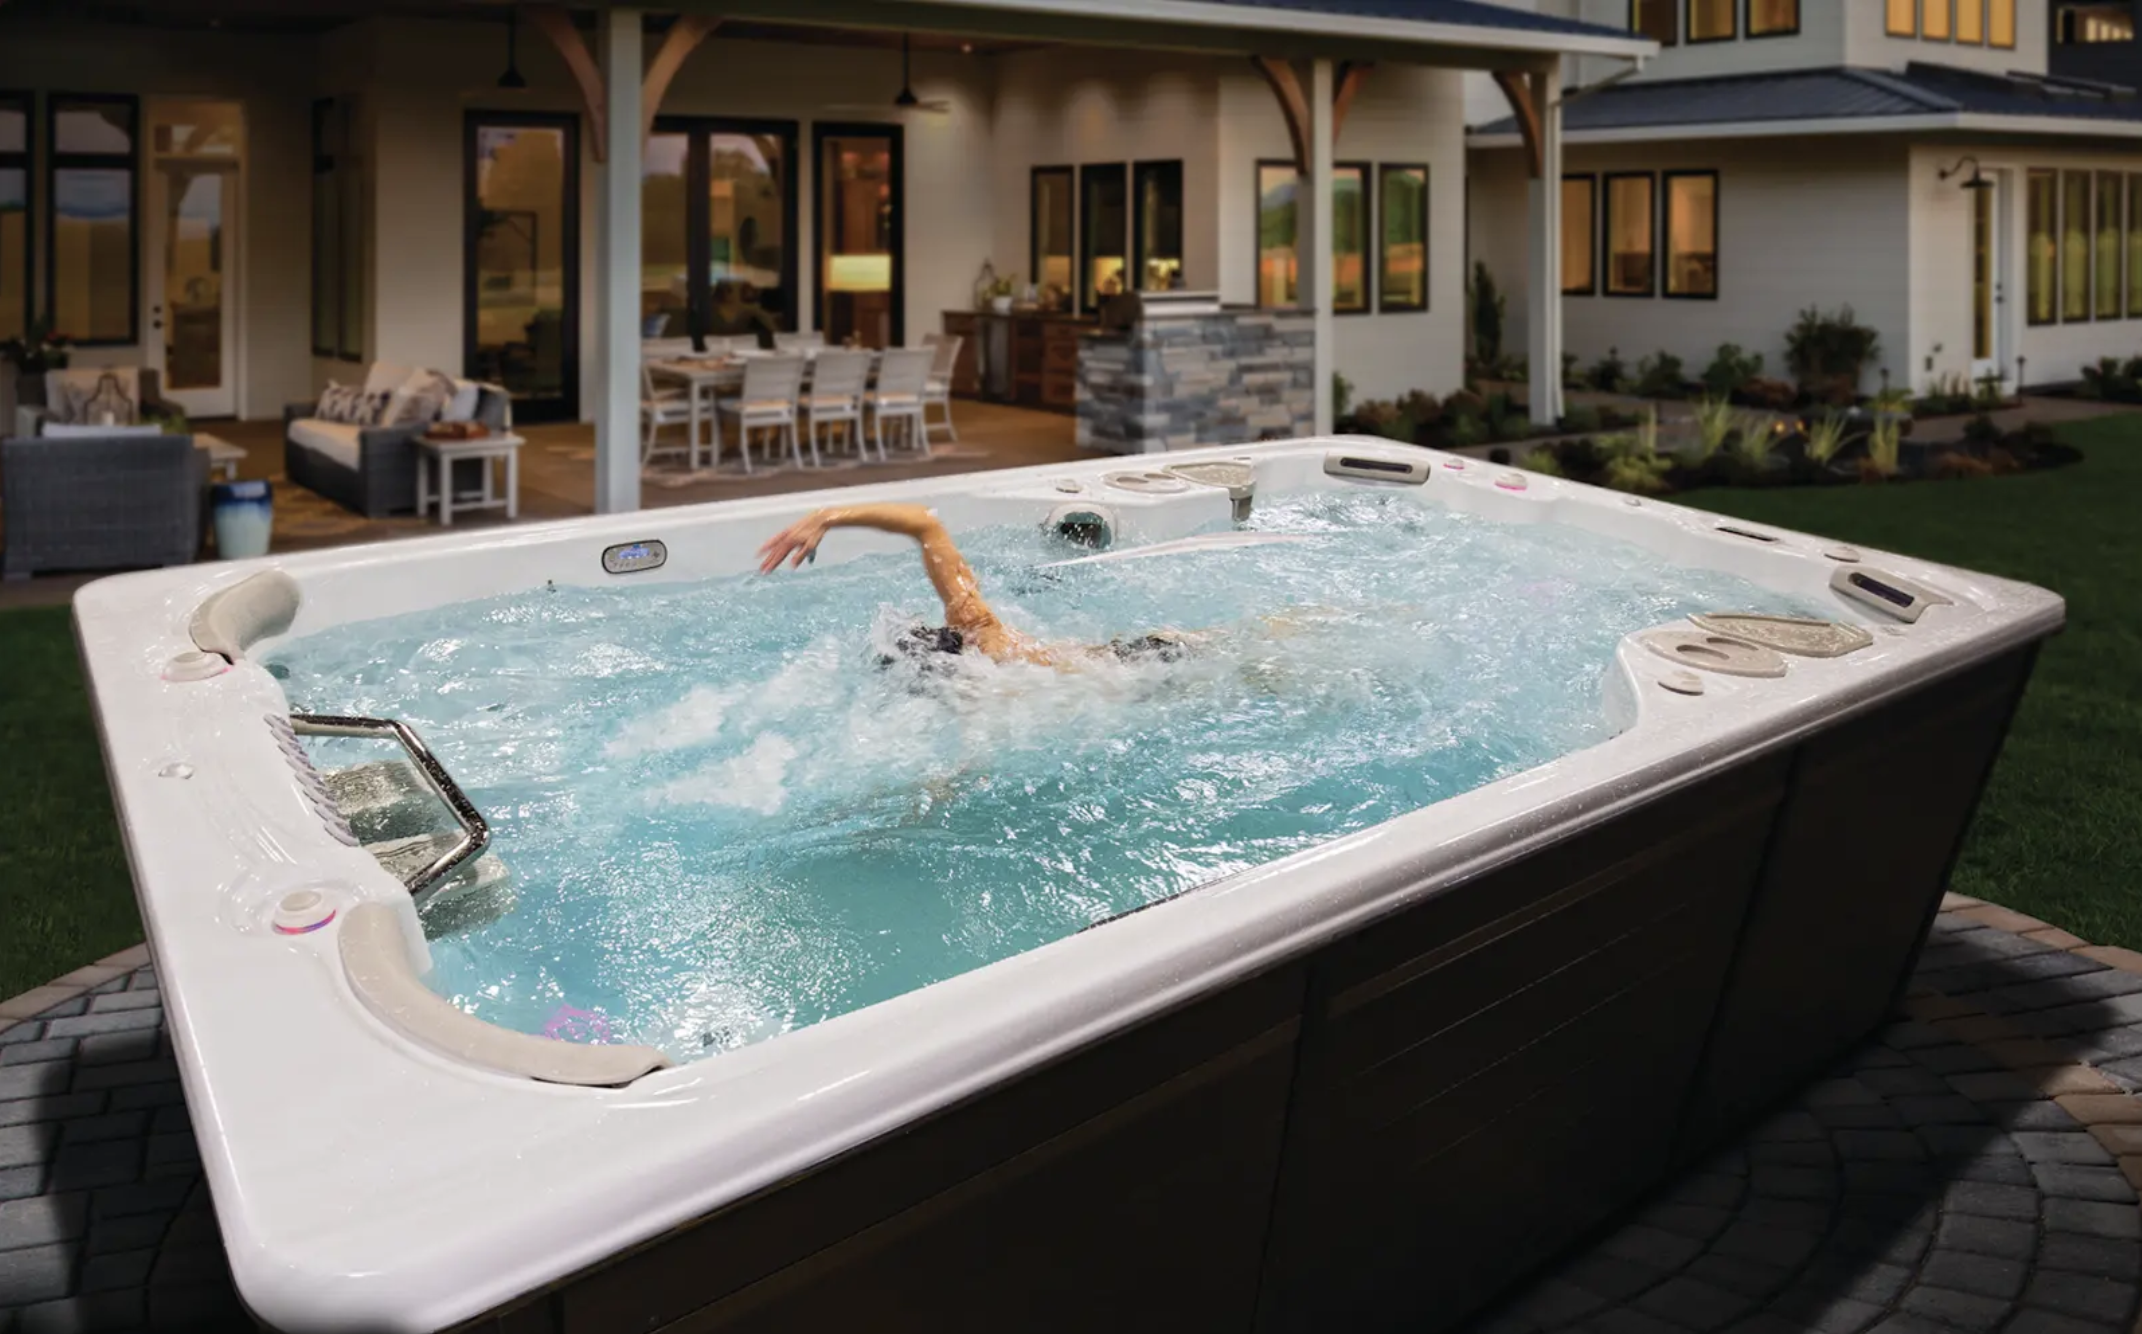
1322,23
2056,127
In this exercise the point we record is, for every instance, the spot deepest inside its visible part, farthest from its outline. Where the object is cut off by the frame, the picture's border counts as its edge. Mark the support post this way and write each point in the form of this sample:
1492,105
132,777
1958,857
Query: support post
1543,293
617,270
1312,237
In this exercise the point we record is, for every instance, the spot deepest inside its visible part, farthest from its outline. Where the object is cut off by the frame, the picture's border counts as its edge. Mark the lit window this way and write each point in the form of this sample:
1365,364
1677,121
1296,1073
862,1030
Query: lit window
2107,257
1692,234
1050,254
1349,239
1104,197
1971,21
1580,223
1654,19
89,219
1276,182
14,216
2001,23
1773,18
1903,18
1711,20
1631,235
1402,273
2043,278
1934,16
1157,228
2074,246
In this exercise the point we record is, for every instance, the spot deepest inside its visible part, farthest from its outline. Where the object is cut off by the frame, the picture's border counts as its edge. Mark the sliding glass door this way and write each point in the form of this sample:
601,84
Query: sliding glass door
718,226
522,295
861,292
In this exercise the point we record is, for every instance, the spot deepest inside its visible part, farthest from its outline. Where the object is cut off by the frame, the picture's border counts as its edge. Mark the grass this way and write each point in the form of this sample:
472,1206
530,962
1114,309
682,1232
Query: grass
2059,835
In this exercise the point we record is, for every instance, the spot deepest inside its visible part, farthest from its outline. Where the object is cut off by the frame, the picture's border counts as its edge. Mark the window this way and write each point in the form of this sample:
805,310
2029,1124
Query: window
2074,246
1050,251
1971,21
2042,195
1934,16
2134,247
1773,18
2095,23
92,263
1157,198
1692,234
1402,276
1654,19
1276,184
1903,18
2001,23
1104,232
2107,258
1712,20
717,223
1631,235
14,215
1349,238
1580,225
327,127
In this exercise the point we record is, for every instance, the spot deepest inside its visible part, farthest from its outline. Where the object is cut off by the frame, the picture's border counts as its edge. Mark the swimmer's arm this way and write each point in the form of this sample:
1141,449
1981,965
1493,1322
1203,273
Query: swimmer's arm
953,578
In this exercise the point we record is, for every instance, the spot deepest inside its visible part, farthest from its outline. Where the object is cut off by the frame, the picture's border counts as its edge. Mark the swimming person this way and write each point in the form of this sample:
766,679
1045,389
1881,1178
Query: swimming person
970,622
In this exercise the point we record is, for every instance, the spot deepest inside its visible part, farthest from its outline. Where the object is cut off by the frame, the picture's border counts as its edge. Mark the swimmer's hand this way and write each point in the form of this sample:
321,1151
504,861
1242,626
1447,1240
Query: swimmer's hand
795,544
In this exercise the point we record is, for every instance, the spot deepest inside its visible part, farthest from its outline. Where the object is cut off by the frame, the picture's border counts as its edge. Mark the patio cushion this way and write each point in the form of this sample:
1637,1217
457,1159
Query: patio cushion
88,431
385,375
423,397
89,393
468,396
337,440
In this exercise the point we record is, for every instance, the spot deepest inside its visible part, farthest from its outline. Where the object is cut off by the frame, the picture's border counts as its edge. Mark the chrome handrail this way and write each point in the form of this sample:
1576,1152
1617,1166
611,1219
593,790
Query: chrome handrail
475,831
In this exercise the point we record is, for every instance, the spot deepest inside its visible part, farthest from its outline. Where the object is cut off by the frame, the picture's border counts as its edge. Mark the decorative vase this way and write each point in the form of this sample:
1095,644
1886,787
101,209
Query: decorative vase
1001,304
244,514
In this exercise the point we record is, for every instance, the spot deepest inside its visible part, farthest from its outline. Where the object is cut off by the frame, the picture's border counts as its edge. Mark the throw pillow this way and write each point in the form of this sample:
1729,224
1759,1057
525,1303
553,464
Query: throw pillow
468,396
373,405
341,403
420,400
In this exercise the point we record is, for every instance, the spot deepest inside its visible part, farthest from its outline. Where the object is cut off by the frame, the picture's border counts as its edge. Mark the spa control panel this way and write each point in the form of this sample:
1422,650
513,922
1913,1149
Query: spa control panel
633,557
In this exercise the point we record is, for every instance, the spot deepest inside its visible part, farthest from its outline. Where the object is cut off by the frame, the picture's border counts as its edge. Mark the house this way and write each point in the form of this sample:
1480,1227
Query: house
1919,160
2095,40
258,198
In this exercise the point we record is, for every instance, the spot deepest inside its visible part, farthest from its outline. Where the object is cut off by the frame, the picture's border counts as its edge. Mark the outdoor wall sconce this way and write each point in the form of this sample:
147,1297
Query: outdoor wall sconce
1977,181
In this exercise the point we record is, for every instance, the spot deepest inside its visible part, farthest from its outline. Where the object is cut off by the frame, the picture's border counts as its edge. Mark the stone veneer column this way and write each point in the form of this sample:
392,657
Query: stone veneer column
1226,379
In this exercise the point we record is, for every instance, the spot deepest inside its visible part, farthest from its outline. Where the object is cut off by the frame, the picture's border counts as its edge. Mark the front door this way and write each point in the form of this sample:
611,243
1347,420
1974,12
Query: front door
196,174
1989,278
521,303
861,292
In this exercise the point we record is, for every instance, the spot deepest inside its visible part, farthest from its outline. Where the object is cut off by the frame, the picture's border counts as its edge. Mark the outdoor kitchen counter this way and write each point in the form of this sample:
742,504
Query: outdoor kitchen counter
1224,377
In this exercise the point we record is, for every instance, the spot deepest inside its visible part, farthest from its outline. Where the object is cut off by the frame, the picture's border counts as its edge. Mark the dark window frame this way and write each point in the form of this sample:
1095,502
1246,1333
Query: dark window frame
568,242
326,270
698,210
1369,257
1688,24
1069,175
2099,179
1088,294
2132,307
1673,10
895,135
1591,232
1664,259
1257,229
2030,317
130,161
1606,233
1384,304
1747,24
26,163
1135,261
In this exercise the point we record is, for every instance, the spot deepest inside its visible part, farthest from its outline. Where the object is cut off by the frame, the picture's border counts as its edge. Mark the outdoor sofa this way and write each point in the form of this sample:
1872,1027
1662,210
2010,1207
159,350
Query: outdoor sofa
373,468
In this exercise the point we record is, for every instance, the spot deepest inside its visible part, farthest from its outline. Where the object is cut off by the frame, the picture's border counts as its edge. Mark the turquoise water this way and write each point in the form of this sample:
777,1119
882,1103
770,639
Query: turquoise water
725,820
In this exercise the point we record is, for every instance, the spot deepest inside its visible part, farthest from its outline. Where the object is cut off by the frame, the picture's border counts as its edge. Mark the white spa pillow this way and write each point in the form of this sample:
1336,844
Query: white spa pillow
462,406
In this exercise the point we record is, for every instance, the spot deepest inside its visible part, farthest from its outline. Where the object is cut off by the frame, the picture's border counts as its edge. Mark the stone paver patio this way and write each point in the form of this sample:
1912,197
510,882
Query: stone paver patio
1972,1168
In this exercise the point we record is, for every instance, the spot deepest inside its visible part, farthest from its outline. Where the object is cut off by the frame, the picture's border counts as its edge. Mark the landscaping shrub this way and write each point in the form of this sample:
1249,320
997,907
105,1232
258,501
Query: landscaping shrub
1543,461
1661,375
1714,422
1464,430
1465,403
1981,430
1776,395
1825,436
1954,466
1829,353
1609,374
1884,448
1422,409
1581,420
1487,309
1730,370
1572,376
1342,394
2113,380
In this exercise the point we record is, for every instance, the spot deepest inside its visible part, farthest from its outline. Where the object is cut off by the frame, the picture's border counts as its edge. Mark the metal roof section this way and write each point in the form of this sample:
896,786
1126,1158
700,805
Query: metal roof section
1925,95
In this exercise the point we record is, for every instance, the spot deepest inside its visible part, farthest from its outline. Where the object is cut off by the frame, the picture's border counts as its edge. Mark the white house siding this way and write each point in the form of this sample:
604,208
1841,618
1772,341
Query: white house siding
271,77
1941,258
1801,222
1867,43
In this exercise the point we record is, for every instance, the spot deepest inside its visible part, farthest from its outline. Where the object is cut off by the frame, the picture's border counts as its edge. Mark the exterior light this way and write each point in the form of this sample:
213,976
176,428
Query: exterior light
1978,180
512,77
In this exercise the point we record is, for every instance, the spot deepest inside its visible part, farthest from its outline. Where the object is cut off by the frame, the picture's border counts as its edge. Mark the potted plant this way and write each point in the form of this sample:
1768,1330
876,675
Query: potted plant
1000,290
32,354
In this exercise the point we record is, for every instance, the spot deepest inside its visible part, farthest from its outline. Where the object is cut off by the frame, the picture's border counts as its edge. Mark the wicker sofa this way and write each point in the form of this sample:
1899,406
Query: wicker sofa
124,500
370,469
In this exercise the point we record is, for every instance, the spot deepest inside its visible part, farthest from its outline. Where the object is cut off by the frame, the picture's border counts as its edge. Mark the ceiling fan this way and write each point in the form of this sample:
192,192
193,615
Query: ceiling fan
905,100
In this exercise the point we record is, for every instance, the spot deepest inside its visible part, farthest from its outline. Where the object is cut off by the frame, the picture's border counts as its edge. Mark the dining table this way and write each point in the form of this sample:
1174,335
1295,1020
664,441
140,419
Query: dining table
707,379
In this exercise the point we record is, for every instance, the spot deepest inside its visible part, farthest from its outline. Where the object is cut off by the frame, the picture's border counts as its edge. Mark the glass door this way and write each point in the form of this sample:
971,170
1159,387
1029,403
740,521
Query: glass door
861,290
1989,305
718,209
196,152
522,298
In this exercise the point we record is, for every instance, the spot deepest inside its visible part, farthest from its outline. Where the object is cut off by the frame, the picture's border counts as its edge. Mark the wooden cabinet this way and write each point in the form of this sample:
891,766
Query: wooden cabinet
965,325
1029,359
1059,366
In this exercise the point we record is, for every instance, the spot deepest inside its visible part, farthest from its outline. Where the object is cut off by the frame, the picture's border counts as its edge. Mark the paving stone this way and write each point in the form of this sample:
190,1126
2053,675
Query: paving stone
1876,1282
1906,1322
21,1145
87,1166
1914,1179
1686,1220
42,1220
146,1197
1904,1081
1794,1183
1839,1093
120,1076
1876,1056
20,1030
2093,1219
2003,1238
21,1183
89,975
110,1126
1627,1320
1554,1303
36,1001
1749,1278
1793,1215
1956,1058
2034,1113
35,1274
1984,1275
137,1000
2069,1079
2091,1255
2112,956
1764,1244
1987,1200
117,1021
112,1048
2126,1067
2050,1146
1881,1145
89,1313
1788,1126
32,1081
2028,1321
2101,1012
162,1093
2000,1169
1652,1246
51,1048
2056,992
2084,1296
131,1233
1838,1315
54,1107
1765,1322
1694,1304
1966,1141
143,978
166,1149
67,1009
1706,1189
1959,1310
1857,1117
1994,1086
1793,1153
2083,1183
1909,1034
1610,1276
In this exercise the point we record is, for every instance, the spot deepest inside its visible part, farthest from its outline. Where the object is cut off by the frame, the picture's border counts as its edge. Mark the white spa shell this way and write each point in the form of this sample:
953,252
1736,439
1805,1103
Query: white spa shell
364,1180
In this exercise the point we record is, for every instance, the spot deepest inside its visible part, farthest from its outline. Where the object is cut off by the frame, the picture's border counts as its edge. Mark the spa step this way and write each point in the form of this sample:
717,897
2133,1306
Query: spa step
386,800
477,893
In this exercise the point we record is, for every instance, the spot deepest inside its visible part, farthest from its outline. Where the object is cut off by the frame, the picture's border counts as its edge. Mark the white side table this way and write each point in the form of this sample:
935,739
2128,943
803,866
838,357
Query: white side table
446,453
223,456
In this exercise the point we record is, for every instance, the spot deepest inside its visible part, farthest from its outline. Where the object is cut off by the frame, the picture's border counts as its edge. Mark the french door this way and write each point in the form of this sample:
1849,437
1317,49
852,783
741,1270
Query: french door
1990,230
521,262
861,262
193,243
717,224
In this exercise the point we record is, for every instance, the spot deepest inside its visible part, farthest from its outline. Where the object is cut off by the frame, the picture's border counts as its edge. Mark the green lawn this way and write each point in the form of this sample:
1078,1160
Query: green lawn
2059,835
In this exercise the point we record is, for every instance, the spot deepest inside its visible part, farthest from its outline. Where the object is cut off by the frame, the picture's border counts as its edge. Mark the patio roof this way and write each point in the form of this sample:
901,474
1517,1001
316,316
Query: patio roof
1840,100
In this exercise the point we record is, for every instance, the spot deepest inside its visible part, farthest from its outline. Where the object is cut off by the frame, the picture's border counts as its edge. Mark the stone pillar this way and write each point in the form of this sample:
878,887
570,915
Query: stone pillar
617,270
1543,293
1313,233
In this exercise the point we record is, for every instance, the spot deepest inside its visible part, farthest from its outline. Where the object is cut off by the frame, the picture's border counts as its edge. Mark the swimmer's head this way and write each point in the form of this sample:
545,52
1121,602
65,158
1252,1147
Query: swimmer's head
1162,647
927,646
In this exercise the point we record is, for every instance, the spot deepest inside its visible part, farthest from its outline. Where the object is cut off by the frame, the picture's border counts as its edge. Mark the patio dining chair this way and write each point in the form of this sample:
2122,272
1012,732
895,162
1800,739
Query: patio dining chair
938,393
903,379
767,402
838,379
660,408
797,342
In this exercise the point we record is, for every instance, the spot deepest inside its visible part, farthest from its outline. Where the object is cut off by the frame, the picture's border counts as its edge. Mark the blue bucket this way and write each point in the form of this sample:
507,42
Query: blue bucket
243,514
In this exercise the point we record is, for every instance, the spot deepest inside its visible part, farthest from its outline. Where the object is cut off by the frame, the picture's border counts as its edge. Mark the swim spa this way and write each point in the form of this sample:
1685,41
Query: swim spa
1248,1081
